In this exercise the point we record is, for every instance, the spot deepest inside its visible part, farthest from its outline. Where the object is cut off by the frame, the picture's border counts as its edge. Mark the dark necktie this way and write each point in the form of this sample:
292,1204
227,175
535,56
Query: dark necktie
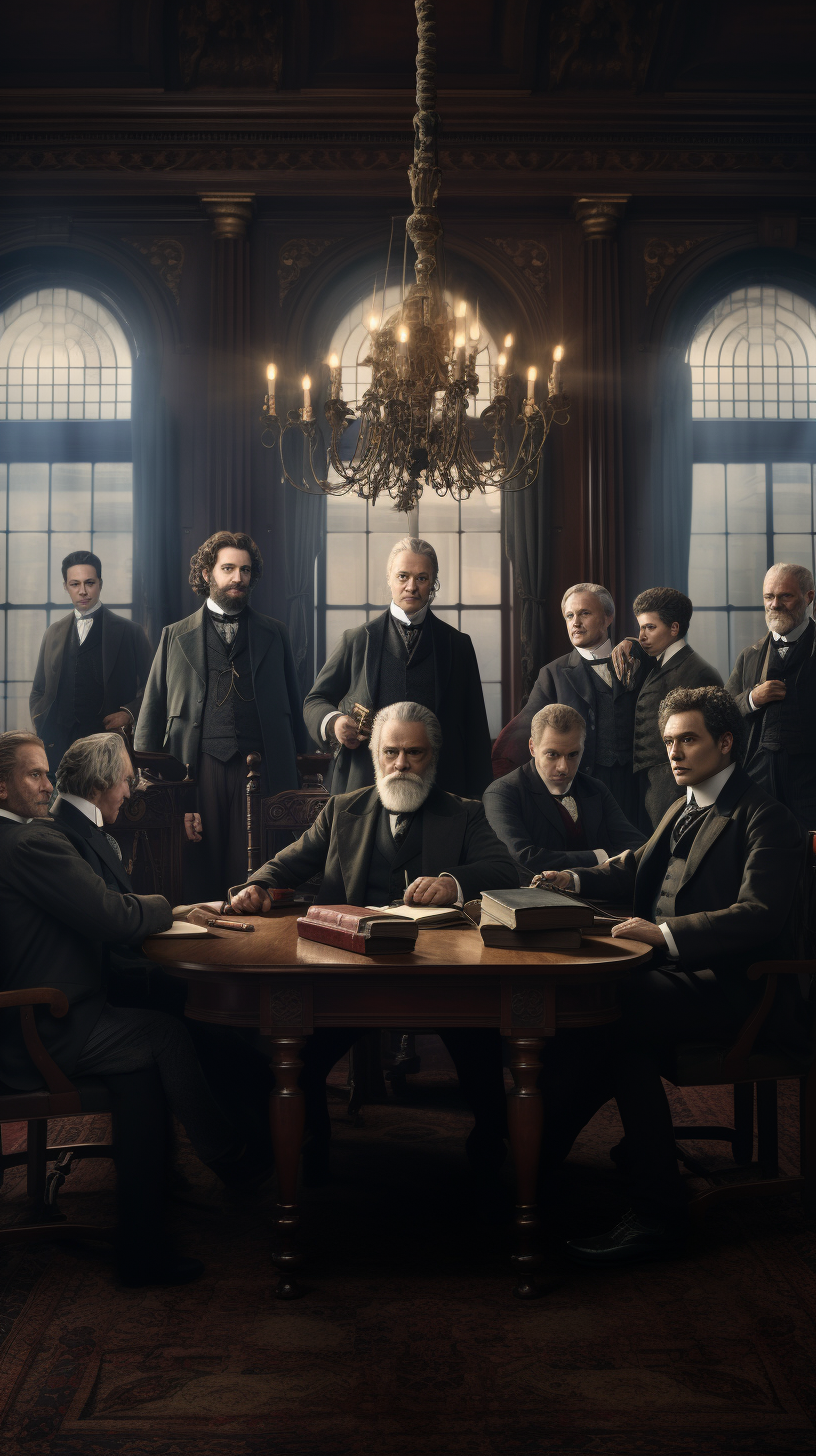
114,844
409,635
689,816
402,824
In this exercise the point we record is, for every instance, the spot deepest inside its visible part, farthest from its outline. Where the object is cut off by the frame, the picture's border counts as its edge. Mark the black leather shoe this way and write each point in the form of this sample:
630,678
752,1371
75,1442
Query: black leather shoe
634,1238
172,1269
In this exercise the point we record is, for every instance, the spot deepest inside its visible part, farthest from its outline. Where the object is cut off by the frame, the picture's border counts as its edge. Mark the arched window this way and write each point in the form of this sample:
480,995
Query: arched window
350,585
66,477
753,372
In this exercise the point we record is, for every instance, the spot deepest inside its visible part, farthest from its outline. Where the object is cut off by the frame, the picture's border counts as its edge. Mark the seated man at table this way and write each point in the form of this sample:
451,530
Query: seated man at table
714,890
371,844
549,814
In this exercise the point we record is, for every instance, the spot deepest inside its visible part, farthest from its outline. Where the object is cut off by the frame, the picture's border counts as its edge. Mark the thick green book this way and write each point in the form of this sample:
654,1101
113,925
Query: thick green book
538,909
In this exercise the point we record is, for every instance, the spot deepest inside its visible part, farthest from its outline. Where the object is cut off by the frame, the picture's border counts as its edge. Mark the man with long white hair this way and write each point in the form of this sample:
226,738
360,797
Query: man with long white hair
404,839
405,654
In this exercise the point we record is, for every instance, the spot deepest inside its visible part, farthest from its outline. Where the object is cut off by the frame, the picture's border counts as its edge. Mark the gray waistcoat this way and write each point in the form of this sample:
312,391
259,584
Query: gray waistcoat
664,903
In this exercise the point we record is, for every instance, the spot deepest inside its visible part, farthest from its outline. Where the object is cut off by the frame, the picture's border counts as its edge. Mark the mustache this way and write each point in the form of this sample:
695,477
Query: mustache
404,776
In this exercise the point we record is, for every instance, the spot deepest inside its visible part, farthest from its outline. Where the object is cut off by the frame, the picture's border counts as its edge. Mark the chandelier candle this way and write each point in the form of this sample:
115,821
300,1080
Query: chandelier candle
555,377
334,370
270,398
308,412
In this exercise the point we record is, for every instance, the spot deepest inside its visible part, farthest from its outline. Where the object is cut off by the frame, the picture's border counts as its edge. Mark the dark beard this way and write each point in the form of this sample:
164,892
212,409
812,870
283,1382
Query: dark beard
230,605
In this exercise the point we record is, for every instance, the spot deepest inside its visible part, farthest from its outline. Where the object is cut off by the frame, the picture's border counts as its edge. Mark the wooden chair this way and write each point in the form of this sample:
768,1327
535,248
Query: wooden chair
293,810
745,1067
58,1098
150,826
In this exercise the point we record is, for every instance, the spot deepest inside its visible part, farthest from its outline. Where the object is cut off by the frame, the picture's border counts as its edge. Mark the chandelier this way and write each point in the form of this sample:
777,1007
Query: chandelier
414,427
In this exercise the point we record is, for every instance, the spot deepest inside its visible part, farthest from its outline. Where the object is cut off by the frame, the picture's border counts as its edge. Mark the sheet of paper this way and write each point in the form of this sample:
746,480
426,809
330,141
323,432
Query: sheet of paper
441,914
180,930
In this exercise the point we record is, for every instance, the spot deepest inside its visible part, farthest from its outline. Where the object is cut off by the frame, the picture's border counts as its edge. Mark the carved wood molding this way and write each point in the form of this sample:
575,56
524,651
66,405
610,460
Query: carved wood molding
294,256
530,257
166,255
661,254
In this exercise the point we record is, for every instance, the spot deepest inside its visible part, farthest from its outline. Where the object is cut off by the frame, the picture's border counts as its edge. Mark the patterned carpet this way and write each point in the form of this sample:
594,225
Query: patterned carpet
409,1339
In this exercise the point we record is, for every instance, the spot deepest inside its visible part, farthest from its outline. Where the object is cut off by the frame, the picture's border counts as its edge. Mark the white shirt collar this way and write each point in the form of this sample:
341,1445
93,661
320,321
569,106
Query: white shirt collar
18,818
670,651
84,806
594,654
794,634
407,621
81,616
709,790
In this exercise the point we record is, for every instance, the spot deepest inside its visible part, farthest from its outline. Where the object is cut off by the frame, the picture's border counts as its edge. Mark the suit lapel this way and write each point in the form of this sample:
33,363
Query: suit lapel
442,833
577,672
443,656
543,800
82,827
356,832
672,663
375,637
589,809
113,628
260,640
57,645
194,646
716,821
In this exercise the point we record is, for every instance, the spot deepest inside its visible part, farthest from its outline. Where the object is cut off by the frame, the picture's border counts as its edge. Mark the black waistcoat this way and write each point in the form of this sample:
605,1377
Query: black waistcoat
787,725
81,684
390,861
613,726
404,681
231,723
679,853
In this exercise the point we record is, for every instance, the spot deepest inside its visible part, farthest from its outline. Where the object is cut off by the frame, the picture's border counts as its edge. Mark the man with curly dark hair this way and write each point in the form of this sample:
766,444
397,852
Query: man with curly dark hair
223,685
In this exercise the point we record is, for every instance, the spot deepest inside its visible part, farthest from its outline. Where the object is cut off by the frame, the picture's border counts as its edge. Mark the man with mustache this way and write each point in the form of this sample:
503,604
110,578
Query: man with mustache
223,685
774,683
404,839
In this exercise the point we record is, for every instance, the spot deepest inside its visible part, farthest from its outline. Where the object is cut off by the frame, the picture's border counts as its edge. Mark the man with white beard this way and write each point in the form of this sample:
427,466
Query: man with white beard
774,684
403,839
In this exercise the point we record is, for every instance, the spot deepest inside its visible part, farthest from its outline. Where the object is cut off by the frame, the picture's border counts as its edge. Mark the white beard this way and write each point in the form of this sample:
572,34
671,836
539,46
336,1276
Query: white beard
784,622
404,793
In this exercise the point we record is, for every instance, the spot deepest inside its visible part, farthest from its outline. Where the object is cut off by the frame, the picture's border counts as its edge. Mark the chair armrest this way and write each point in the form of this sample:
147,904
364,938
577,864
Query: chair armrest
55,1080
749,1031
781,968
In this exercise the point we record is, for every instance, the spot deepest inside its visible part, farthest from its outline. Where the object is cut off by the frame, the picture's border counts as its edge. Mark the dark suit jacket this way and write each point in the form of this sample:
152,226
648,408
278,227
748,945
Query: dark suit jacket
58,916
686,669
525,816
735,901
352,675
567,679
746,675
90,842
456,838
173,708
126,658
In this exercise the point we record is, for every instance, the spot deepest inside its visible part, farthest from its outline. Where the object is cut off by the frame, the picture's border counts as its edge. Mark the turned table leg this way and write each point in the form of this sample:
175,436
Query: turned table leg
286,1119
525,1117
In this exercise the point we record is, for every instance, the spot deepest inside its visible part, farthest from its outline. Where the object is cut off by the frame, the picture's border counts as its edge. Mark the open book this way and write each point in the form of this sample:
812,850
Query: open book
423,914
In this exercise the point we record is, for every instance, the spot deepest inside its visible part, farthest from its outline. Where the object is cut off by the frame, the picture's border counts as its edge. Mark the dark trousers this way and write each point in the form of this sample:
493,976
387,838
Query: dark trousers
220,860
622,784
141,1155
475,1054
790,778
583,1070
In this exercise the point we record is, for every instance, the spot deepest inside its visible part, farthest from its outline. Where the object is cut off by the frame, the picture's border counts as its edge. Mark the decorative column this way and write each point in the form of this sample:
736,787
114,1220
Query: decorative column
229,388
601,413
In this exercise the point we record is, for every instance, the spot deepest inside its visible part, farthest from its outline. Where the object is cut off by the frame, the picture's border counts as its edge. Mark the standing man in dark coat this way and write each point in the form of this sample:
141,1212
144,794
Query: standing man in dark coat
223,684
550,815
774,683
582,680
92,668
406,654
657,663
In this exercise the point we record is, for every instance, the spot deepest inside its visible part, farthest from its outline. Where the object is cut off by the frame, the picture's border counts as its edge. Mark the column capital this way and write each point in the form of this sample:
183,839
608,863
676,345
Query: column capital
231,212
599,216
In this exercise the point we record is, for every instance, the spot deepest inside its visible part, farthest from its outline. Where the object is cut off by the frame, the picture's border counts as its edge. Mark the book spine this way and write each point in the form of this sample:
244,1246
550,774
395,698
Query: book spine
340,919
333,935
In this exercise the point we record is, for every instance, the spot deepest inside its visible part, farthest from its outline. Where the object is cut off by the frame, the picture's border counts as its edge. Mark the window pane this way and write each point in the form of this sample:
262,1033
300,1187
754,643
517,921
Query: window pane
28,567
747,562
71,499
379,549
3,497
706,579
448,614
345,513
116,555
437,513
339,622
481,567
708,635
17,713
746,628
113,497
791,498
492,699
482,512
51,333
447,550
742,355
708,498
28,497
62,546
798,549
346,568
746,498
24,638
484,630
383,517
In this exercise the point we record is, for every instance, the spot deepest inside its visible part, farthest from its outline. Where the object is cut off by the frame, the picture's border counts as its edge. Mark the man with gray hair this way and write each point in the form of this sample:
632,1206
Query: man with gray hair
583,680
405,654
550,814
774,683
403,840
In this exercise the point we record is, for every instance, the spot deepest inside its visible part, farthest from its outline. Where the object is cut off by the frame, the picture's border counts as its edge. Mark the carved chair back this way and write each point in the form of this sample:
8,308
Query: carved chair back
293,811
150,826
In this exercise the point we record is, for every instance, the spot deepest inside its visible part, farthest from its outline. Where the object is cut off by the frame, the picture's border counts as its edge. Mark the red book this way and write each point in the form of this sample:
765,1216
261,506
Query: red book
353,927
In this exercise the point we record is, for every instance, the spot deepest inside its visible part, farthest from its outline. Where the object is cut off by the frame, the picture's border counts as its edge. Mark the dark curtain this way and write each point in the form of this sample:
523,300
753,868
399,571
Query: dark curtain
671,470
304,524
526,543
156,594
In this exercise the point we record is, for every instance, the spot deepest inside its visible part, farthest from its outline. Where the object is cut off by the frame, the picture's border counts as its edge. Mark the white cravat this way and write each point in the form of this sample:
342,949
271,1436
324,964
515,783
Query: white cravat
219,611
84,620
18,818
596,655
401,616
84,806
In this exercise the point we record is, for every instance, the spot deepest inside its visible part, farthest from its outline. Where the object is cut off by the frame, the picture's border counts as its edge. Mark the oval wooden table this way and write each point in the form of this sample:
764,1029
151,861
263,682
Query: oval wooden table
285,987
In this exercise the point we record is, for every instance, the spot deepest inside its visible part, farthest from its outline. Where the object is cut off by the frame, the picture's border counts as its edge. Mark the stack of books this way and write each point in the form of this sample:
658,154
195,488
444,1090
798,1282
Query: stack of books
534,919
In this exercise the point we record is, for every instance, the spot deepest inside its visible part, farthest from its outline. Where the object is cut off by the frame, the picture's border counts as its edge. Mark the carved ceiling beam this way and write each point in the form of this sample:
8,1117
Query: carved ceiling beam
231,213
